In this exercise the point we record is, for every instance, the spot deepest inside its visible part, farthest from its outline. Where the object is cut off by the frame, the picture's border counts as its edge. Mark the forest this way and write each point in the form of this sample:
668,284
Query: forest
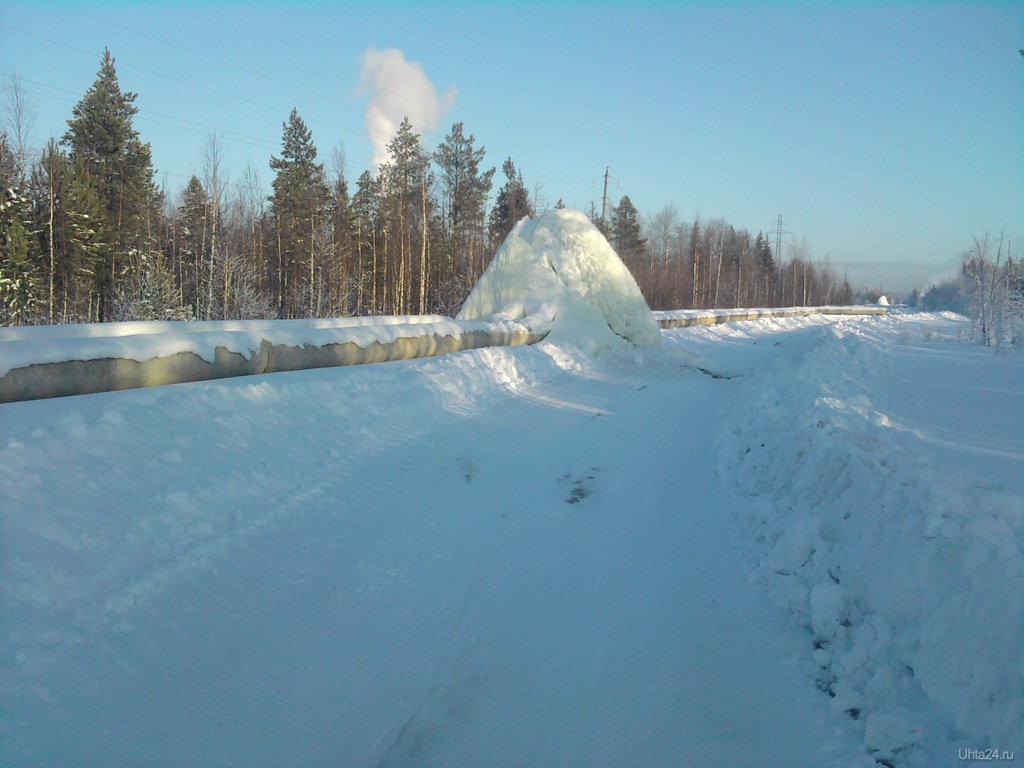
87,234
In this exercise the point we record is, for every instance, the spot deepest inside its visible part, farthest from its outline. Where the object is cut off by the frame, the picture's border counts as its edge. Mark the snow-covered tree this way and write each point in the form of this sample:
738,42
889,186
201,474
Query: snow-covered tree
147,292
117,166
994,285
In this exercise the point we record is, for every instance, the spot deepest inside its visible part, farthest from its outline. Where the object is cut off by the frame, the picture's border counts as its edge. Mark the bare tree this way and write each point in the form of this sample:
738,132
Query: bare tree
995,290
660,233
716,241
214,180
251,205
18,121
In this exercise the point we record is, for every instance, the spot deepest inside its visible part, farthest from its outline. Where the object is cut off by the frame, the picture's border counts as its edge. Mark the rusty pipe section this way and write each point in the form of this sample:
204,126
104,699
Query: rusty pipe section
106,374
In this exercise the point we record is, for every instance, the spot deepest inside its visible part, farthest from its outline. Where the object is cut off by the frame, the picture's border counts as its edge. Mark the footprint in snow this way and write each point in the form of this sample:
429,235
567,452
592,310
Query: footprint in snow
582,486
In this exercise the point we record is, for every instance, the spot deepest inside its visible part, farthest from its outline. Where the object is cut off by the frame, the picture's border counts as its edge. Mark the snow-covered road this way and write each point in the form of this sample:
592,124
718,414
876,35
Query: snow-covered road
519,557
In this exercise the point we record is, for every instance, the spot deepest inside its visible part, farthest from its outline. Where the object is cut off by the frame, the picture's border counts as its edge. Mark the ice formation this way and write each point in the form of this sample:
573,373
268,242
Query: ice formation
558,271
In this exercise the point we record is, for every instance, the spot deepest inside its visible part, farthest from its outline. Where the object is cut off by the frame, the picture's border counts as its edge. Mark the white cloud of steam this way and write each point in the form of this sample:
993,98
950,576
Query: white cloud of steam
398,89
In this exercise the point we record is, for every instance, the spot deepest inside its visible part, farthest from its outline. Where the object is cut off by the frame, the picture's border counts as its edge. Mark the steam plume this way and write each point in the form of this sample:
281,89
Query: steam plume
397,89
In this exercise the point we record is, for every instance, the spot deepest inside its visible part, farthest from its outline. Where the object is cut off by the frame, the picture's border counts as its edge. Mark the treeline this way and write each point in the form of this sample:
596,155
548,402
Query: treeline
989,290
711,264
87,235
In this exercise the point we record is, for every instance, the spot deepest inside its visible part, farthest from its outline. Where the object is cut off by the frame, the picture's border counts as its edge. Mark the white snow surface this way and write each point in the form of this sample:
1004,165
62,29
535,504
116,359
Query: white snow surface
788,542
877,479
557,271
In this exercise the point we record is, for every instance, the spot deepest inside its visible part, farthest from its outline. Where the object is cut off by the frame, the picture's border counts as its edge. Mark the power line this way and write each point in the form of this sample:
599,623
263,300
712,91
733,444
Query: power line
278,110
237,67
437,136
567,177
239,137
262,144
274,80
263,188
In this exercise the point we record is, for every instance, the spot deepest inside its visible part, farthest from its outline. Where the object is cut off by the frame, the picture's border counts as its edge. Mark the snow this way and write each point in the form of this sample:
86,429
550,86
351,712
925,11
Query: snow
828,602
878,481
141,341
557,272
554,273
788,542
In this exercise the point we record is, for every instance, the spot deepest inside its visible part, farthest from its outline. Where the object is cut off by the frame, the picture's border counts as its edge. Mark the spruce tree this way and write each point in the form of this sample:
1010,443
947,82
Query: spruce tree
298,207
193,241
512,204
365,223
345,266
20,284
8,163
464,190
766,265
405,181
69,220
625,231
117,166
148,292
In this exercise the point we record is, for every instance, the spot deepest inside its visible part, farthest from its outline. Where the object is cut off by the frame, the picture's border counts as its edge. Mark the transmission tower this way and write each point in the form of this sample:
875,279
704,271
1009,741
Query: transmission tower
779,232
604,197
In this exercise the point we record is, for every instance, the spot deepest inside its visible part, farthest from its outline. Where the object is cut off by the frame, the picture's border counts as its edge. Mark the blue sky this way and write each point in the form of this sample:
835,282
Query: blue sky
886,134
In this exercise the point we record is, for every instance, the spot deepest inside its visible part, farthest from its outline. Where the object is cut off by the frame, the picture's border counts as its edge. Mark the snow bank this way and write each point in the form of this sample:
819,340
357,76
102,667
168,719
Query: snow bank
557,271
880,503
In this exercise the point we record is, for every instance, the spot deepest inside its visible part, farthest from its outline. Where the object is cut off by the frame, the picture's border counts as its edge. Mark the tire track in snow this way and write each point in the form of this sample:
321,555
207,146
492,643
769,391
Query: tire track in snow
370,622
294,446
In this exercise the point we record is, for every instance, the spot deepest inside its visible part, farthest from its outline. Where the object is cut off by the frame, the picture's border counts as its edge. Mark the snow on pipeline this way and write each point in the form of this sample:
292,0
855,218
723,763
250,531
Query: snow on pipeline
554,273
558,272
554,276
879,491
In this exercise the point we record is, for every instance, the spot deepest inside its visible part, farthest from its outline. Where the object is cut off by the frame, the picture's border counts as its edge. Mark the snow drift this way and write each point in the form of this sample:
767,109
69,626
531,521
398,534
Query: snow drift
876,481
557,271
170,555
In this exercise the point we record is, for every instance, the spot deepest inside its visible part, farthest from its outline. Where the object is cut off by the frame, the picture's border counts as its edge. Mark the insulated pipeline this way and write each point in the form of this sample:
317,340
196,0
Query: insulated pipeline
687,318
106,374
62,378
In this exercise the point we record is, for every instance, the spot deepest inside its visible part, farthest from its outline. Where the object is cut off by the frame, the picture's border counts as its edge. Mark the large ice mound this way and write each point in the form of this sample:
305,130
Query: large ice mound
558,272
